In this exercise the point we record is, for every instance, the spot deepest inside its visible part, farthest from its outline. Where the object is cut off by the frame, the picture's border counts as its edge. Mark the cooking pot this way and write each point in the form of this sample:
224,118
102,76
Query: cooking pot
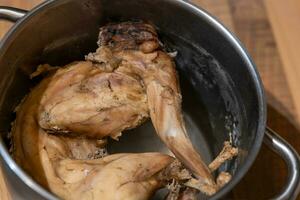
223,96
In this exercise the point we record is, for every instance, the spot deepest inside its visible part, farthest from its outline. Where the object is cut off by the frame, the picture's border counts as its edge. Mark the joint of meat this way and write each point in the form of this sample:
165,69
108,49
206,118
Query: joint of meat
180,177
60,130
157,72
78,167
95,102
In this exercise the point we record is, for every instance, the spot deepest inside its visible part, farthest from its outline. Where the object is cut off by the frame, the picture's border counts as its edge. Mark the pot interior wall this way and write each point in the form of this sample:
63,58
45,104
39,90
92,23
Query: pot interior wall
219,100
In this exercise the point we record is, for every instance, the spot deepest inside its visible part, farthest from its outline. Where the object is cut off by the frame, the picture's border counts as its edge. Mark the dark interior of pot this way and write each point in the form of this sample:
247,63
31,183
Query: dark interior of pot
220,96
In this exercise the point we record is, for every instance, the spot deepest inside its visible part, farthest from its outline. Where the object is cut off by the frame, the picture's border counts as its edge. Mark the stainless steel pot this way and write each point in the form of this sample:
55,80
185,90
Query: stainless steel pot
222,91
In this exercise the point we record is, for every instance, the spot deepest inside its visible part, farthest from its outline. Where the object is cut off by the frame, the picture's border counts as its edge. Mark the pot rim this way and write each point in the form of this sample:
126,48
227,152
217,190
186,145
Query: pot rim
8,38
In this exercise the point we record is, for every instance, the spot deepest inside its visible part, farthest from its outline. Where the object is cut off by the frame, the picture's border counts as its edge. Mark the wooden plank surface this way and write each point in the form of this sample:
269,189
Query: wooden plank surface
286,16
4,26
24,4
251,22
219,9
4,193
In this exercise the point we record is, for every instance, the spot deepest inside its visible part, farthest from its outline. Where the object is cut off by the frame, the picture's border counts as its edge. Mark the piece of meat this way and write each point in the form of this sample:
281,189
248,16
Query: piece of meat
72,167
81,99
157,71
29,139
127,79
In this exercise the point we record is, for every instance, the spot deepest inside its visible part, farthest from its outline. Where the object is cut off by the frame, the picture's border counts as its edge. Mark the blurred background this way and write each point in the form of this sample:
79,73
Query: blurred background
270,30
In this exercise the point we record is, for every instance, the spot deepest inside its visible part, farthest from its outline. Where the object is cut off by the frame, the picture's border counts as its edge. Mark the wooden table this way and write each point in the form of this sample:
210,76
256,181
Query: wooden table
270,31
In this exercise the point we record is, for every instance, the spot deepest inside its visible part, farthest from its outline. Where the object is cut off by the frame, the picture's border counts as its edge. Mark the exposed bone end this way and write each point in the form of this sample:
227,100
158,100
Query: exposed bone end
223,179
227,153
205,188
179,176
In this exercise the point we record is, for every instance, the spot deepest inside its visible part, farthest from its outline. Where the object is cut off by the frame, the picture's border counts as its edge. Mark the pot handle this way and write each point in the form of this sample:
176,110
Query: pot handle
292,160
11,14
